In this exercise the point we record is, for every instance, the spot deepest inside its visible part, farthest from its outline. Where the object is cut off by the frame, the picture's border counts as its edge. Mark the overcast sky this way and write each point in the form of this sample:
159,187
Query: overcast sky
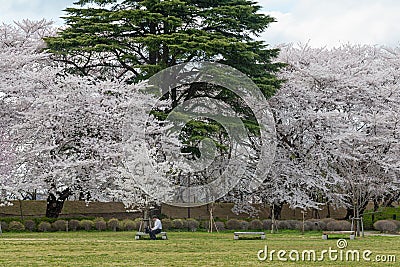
319,22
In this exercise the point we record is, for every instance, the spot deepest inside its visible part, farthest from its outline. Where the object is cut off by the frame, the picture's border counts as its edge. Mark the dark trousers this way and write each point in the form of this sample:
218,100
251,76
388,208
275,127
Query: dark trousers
153,233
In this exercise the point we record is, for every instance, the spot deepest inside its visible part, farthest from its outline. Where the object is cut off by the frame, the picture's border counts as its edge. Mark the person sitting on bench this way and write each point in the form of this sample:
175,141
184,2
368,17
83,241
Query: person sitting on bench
156,229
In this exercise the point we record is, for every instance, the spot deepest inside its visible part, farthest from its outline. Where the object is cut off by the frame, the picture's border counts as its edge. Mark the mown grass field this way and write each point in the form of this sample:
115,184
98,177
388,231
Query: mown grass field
182,249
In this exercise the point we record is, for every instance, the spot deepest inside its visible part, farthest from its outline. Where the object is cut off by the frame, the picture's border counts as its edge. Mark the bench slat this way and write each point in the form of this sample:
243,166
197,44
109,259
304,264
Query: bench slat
139,234
249,233
326,233
236,234
338,232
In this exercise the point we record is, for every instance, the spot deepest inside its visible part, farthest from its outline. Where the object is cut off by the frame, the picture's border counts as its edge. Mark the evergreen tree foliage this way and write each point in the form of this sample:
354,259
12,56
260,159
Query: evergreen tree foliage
133,40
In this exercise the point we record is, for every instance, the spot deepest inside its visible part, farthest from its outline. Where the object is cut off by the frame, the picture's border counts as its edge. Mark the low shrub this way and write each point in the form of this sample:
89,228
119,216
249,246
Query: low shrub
178,224
121,226
4,226
16,226
59,225
138,222
338,226
233,224
220,226
128,225
308,226
112,224
86,225
192,224
293,224
203,224
282,225
256,225
397,223
166,224
100,224
267,224
73,225
206,225
313,225
44,227
287,224
327,220
244,225
385,226
322,225
30,225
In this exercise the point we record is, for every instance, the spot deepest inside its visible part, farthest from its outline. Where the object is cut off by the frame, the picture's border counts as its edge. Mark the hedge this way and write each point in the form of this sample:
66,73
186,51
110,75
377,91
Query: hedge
99,224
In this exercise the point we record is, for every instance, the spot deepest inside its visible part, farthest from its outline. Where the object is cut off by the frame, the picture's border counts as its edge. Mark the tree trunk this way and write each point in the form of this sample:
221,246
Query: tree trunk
328,208
277,211
20,210
275,215
376,207
153,51
55,204
349,214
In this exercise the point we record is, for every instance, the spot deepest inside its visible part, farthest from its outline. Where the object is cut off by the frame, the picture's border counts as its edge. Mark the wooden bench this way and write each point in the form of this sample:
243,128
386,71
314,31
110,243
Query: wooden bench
140,234
236,234
326,233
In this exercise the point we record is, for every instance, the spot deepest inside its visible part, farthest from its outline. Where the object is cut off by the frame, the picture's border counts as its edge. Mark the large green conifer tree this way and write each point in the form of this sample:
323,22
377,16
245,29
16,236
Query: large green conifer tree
134,39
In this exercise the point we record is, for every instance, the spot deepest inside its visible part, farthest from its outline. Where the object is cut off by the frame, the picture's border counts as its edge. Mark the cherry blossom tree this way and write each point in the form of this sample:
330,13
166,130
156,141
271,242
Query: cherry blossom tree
60,133
339,115
20,53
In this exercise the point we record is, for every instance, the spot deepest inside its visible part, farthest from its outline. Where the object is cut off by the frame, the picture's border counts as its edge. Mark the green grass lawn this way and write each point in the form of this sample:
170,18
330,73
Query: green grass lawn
182,249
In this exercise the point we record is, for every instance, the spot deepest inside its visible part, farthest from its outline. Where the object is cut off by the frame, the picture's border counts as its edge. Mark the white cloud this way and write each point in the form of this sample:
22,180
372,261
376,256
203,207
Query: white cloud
322,22
16,10
331,23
